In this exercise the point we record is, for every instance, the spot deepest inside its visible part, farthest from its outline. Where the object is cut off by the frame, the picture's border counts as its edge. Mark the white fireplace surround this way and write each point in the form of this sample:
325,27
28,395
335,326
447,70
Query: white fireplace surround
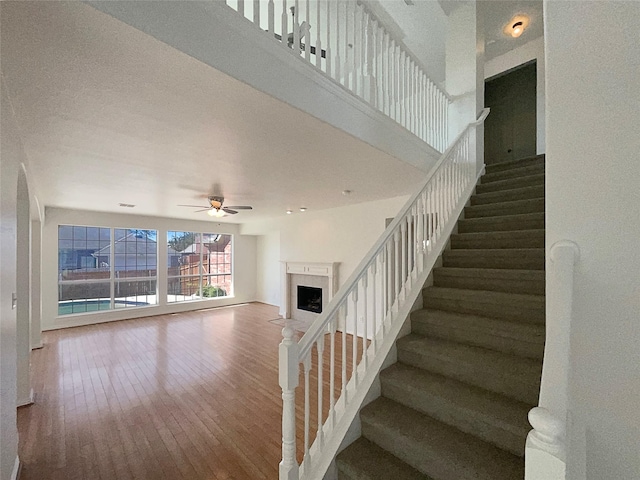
328,270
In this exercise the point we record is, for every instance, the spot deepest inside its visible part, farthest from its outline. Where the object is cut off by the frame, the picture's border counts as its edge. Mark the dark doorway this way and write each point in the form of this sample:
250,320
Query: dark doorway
510,128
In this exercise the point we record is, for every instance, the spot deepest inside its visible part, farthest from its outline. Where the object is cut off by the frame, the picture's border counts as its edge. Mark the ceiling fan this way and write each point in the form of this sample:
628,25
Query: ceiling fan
215,208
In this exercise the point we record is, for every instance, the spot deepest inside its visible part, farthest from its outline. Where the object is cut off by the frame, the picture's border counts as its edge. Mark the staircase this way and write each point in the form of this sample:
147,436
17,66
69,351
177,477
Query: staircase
455,404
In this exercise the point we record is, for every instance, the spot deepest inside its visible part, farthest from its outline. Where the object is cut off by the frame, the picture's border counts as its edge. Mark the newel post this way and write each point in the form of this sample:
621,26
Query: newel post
545,456
288,375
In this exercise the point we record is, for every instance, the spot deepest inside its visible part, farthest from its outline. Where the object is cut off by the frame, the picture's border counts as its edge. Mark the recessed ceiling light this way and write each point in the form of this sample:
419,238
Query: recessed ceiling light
516,26
289,212
303,209
346,192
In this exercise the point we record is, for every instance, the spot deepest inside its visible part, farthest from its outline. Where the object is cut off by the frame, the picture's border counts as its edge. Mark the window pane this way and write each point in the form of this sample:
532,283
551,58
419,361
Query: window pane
135,253
182,289
135,293
79,258
83,297
216,286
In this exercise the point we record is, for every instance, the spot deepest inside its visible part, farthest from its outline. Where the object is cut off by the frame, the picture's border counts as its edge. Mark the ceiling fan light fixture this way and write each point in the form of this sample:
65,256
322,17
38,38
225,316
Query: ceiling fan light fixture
215,212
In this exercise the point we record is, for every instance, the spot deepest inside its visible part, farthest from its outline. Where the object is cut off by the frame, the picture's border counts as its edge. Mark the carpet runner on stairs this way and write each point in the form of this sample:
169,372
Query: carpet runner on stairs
455,405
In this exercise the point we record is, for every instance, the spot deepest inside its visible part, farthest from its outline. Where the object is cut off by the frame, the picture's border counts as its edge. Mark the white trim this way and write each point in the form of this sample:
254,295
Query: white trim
37,346
26,401
16,469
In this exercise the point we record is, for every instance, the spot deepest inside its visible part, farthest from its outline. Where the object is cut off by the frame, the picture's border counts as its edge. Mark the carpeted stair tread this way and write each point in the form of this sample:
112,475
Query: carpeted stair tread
512,338
523,221
498,258
493,418
522,193
504,239
513,376
522,171
510,183
531,282
521,162
532,205
434,448
507,306
364,460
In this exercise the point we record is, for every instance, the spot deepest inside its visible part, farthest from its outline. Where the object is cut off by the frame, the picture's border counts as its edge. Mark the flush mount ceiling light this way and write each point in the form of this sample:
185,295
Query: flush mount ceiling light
289,212
516,26
303,209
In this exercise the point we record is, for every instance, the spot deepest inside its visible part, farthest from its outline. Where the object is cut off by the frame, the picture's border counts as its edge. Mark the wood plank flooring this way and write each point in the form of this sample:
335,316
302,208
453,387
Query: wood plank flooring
185,396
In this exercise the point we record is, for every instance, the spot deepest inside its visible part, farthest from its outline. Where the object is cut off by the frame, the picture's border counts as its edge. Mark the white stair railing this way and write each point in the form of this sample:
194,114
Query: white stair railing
345,41
351,338
545,455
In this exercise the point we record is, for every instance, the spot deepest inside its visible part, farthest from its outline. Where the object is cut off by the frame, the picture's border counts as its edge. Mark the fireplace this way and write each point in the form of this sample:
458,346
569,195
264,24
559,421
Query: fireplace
317,276
310,299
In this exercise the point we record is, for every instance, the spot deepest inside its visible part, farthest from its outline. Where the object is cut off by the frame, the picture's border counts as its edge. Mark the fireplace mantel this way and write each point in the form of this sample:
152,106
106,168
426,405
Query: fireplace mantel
329,270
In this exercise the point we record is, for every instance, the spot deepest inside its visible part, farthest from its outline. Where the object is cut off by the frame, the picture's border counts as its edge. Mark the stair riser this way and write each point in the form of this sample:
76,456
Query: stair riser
480,338
508,208
509,184
523,171
444,410
521,388
493,240
508,195
506,260
528,286
500,224
506,311
526,162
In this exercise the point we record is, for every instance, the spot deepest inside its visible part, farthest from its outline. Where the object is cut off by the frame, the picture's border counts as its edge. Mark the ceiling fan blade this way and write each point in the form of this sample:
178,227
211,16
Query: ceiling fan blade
193,206
203,210
229,211
240,207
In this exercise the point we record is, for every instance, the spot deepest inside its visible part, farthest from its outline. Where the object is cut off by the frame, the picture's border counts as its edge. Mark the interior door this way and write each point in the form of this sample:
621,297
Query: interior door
510,128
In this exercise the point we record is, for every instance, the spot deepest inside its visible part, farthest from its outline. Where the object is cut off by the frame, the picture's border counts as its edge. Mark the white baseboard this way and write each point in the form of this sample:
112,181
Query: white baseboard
26,401
16,469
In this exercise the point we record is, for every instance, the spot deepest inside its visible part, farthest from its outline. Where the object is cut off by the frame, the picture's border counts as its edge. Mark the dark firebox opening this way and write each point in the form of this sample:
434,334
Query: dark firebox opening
310,299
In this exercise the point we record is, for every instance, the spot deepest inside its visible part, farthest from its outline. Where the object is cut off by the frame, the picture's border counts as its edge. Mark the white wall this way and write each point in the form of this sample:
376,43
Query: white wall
533,50
217,36
268,268
244,267
593,198
12,155
343,234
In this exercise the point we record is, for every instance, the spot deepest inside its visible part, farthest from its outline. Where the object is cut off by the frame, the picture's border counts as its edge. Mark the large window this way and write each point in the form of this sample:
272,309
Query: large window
102,268
199,266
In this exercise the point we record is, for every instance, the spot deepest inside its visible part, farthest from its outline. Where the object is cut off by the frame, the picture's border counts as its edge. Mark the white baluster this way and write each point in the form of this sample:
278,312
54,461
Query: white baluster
320,349
374,302
354,351
318,40
405,257
365,286
284,18
288,379
396,241
356,49
338,64
388,286
307,408
271,15
347,51
296,28
256,12
307,37
386,86
332,373
327,56
344,309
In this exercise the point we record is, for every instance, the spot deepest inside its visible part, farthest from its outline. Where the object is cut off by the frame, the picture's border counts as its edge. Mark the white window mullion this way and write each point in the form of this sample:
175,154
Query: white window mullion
112,268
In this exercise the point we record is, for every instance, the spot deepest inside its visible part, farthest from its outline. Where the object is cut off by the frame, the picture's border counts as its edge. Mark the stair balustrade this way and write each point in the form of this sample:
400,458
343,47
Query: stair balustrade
347,43
351,338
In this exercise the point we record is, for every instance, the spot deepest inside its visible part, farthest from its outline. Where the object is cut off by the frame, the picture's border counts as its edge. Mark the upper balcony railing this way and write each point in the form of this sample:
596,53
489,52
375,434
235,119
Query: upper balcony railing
345,41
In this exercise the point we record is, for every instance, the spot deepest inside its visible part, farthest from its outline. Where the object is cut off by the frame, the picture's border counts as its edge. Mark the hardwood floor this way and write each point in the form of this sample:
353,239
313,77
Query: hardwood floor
184,396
